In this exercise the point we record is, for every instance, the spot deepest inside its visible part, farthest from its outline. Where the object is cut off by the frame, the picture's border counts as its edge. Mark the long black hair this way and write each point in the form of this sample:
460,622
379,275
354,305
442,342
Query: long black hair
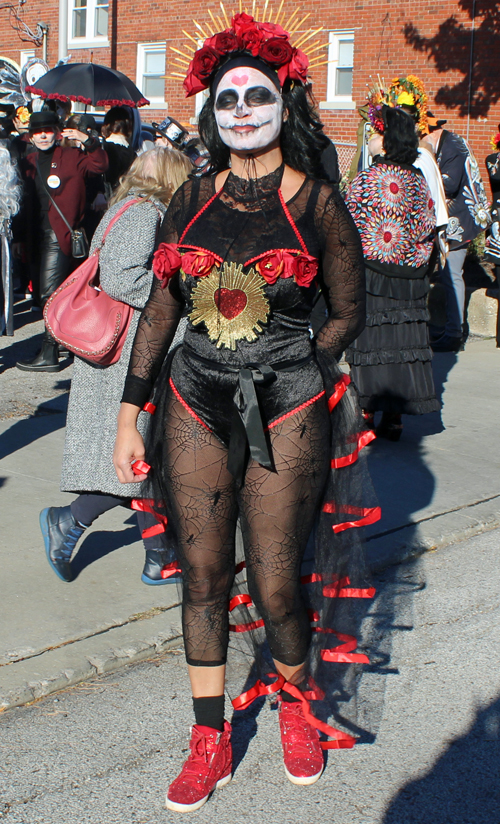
400,137
302,138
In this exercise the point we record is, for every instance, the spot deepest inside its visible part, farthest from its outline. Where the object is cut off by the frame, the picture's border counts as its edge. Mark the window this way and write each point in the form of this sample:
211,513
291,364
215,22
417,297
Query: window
88,22
151,72
340,71
25,56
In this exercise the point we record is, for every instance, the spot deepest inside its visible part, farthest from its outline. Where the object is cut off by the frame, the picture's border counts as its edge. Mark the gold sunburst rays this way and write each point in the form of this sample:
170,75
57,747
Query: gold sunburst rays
276,13
231,304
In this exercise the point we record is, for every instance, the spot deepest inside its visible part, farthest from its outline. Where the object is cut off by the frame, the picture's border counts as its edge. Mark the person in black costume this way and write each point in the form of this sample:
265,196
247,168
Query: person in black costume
117,133
493,241
393,209
54,179
242,424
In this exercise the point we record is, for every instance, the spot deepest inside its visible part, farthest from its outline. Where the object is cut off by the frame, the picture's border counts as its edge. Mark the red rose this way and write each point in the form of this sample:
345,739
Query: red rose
271,266
305,269
298,66
166,262
272,30
241,22
276,51
191,83
251,40
225,42
198,264
289,265
204,62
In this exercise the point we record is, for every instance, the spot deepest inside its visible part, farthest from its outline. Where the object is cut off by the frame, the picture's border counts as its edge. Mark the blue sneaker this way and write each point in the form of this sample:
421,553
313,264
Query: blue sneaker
60,534
156,560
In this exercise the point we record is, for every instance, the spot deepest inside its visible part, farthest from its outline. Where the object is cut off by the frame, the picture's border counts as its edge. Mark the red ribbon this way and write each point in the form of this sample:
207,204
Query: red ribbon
140,468
368,516
245,600
146,505
156,529
149,407
339,390
343,653
171,569
257,691
239,567
343,589
363,439
340,740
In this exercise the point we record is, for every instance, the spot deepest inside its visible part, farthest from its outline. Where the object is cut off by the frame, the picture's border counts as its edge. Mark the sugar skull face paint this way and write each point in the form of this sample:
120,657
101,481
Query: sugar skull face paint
248,110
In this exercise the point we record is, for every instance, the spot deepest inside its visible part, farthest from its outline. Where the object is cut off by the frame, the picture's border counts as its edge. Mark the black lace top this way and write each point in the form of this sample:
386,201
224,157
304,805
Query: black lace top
237,227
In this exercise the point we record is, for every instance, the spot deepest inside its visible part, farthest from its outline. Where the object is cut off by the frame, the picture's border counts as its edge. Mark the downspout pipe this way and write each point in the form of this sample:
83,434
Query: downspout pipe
63,29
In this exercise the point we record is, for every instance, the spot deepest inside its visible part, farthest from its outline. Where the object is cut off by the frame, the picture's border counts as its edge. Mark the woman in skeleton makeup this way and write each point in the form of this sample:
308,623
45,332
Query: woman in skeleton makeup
250,406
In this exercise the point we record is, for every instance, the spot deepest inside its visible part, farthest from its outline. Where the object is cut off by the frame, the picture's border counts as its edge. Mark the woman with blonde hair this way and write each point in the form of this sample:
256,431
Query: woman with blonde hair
126,275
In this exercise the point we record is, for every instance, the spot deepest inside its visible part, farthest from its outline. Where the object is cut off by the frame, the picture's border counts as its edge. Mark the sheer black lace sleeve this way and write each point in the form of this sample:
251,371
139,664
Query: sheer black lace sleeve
159,317
343,274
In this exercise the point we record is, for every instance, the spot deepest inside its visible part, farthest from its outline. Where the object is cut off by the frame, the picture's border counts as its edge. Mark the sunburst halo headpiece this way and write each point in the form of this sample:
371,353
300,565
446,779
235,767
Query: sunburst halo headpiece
265,34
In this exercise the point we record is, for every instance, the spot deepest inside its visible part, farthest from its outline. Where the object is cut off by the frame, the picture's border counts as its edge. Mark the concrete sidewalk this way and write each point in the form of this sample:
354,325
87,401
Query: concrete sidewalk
439,484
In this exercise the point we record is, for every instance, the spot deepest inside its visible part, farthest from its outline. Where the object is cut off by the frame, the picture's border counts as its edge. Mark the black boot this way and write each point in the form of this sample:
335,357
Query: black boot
47,359
156,560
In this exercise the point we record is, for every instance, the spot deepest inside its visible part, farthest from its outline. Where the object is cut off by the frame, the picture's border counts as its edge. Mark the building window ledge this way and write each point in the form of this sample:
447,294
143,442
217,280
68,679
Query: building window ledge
338,104
81,43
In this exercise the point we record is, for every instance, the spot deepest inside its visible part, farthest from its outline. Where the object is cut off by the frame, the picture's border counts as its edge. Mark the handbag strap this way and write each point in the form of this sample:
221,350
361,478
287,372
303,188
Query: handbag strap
52,199
123,209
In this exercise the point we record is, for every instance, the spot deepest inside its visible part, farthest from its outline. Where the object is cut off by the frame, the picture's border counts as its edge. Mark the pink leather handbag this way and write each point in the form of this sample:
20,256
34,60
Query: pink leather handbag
84,318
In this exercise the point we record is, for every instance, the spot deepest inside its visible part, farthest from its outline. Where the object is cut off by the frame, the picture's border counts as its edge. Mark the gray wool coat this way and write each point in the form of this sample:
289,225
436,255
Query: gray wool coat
94,401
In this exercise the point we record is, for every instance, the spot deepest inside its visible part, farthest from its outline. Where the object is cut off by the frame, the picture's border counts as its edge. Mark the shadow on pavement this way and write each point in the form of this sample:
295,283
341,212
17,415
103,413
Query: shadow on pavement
99,544
463,787
48,418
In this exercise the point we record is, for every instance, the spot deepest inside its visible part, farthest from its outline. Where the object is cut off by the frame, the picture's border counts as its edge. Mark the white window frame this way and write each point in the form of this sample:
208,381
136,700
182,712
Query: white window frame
336,101
90,40
142,50
26,55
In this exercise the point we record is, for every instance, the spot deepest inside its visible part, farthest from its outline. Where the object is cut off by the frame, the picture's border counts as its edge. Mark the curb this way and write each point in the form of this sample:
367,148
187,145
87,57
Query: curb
53,670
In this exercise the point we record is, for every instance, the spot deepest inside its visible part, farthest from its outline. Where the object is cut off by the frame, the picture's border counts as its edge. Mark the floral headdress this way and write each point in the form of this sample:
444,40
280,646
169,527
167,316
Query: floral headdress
410,91
495,141
377,99
267,40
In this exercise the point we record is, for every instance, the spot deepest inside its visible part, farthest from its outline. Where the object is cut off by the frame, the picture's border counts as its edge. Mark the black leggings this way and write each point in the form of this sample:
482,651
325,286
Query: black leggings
54,266
88,506
277,510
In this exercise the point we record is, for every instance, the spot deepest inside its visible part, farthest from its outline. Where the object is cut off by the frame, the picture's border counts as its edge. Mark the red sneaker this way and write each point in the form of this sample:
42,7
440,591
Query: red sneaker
302,752
208,766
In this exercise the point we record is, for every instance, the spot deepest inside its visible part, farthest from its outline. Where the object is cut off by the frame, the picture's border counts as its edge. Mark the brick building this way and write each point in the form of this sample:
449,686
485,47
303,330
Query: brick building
454,47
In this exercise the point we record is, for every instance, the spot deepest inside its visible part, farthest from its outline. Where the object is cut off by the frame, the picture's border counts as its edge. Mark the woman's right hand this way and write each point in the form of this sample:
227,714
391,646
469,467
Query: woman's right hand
129,446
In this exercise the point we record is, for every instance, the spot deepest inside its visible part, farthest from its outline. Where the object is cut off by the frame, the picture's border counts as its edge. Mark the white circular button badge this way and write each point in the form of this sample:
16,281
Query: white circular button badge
53,181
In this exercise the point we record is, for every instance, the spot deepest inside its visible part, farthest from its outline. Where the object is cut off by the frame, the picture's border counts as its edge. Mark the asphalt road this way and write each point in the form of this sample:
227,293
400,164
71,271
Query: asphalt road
428,711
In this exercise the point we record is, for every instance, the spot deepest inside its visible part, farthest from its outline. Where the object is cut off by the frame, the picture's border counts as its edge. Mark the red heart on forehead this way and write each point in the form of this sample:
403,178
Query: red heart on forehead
230,302
239,79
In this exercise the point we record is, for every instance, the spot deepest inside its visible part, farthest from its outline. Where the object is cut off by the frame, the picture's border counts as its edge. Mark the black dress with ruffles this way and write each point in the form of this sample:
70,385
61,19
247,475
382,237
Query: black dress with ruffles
391,359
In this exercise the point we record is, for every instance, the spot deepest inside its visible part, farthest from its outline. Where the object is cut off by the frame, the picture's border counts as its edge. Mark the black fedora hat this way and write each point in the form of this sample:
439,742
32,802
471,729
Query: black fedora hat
44,120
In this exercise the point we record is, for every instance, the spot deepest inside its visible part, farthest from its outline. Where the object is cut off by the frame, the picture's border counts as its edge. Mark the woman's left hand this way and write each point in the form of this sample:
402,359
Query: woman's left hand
75,134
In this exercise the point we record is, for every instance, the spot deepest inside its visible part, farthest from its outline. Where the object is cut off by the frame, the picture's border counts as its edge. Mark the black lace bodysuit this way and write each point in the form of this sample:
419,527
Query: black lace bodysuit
246,337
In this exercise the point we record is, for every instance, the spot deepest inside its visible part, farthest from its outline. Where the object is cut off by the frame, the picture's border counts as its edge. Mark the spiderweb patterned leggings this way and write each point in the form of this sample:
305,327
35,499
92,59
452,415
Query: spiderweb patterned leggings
277,510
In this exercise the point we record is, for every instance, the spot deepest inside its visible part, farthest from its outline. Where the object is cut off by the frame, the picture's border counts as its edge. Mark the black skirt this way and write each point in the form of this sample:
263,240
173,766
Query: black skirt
391,359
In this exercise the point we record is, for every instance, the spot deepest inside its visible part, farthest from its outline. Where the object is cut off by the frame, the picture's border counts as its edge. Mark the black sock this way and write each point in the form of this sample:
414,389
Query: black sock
290,699
209,712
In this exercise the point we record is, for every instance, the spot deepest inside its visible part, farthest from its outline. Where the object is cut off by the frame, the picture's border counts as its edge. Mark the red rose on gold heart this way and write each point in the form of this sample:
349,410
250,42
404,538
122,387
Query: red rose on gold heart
166,262
271,266
305,269
198,264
